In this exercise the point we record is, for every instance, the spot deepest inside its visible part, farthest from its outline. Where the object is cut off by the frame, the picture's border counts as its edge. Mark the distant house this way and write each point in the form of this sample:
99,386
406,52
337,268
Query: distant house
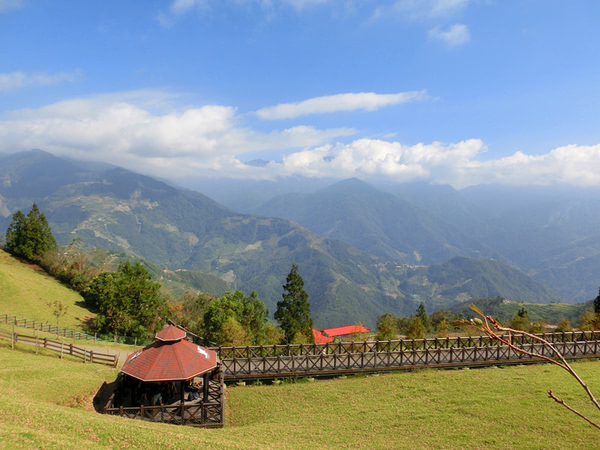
320,338
338,333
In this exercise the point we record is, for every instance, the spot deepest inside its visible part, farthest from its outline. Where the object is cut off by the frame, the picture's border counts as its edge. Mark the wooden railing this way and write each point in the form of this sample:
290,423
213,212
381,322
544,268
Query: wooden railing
62,348
205,414
41,326
374,356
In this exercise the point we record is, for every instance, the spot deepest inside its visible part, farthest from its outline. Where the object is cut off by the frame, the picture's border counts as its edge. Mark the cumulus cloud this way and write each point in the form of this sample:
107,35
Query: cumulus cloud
365,158
125,131
142,131
456,164
17,80
457,34
368,101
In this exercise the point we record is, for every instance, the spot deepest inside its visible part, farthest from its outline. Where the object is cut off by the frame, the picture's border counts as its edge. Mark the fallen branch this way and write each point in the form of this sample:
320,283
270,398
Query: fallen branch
491,326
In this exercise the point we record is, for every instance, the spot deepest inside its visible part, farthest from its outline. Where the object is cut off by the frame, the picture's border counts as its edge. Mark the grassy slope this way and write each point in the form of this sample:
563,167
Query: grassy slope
24,293
45,404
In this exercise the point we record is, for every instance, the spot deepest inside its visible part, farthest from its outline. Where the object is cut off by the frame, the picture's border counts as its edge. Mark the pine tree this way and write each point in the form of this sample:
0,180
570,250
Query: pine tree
422,314
293,312
597,303
29,236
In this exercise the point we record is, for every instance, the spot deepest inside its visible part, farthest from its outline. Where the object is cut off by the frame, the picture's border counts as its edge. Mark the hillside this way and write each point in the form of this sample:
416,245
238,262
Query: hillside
460,279
504,310
183,232
25,290
376,222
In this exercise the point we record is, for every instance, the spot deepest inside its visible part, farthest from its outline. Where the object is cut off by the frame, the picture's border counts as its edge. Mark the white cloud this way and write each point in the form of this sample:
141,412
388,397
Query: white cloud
143,132
123,130
455,164
366,158
368,101
457,34
17,80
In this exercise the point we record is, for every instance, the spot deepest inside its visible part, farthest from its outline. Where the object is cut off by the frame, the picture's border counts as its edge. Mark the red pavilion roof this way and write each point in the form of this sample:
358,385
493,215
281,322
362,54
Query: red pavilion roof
169,360
171,333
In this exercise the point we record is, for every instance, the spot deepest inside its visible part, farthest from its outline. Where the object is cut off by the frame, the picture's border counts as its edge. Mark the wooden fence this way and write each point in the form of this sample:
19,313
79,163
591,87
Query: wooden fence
41,326
205,414
62,348
373,356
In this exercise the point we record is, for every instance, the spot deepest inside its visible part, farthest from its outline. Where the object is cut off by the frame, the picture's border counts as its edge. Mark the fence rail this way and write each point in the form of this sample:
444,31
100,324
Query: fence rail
205,413
42,326
372,356
62,348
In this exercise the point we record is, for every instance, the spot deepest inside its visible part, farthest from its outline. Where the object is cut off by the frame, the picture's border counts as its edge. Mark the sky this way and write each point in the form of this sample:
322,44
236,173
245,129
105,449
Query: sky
460,92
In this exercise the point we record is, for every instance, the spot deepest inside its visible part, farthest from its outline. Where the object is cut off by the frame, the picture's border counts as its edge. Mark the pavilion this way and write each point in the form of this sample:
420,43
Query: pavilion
171,380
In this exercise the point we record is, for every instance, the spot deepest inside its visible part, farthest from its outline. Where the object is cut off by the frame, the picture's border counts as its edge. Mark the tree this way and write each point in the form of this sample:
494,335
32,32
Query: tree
439,316
190,311
127,301
564,325
232,312
70,264
416,329
29,236
293,312
597,303
422,314
387,327
58,310
521,320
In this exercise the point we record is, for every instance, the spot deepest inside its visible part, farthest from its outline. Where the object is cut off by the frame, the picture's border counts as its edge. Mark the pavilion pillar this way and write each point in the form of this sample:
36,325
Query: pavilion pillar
182,402
205,388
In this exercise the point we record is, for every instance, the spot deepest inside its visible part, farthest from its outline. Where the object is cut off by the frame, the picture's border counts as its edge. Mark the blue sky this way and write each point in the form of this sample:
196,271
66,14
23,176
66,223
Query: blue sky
450,91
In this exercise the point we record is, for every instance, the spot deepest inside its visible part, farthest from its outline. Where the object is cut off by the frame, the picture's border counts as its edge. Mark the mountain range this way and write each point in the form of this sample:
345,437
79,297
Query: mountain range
362,250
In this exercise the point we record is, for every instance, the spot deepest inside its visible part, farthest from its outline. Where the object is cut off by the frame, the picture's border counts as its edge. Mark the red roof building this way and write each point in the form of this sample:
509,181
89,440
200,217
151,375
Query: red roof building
320,338
345,331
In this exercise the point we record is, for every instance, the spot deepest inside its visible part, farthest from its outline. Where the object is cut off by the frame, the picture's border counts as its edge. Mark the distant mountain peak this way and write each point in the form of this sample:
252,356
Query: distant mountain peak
350,186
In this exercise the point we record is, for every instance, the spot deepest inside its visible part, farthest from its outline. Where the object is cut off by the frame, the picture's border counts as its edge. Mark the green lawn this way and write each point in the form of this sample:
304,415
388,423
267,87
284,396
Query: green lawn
45,402
24,293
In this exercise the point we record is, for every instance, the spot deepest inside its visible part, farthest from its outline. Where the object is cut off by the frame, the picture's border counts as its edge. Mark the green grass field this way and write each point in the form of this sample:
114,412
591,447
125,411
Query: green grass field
24,293
45,403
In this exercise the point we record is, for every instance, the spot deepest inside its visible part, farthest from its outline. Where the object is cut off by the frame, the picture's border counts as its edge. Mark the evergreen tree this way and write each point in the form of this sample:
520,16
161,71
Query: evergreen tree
293,312
29,236
14,234
597,303
422,314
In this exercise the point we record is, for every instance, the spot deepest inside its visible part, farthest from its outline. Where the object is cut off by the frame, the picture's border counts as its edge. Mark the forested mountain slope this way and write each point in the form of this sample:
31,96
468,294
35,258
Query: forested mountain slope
376,222
177,229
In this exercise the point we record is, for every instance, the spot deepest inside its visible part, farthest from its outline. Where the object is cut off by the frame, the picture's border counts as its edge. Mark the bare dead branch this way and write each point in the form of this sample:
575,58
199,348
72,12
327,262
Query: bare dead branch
560,401
491,326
